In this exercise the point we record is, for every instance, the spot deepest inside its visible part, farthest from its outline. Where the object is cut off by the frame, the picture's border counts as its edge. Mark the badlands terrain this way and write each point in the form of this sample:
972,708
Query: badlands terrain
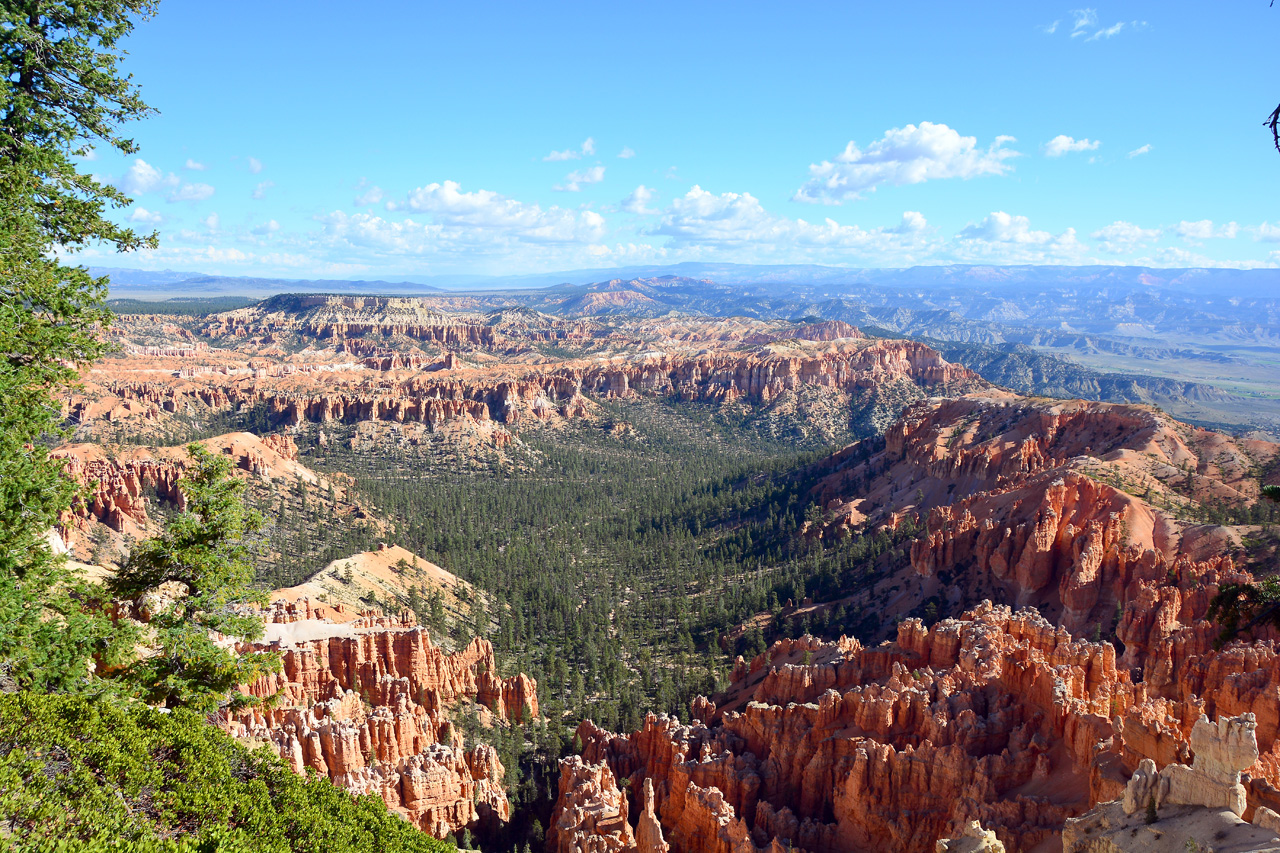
599,575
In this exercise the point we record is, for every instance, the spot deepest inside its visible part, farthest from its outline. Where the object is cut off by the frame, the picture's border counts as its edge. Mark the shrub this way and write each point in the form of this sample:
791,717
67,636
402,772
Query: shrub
82,775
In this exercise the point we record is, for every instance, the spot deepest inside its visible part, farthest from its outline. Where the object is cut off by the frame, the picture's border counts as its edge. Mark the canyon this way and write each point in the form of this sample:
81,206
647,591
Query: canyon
1075,514
1042,627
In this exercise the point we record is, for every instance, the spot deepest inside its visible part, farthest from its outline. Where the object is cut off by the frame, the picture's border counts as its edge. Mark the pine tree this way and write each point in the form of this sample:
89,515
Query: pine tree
202,551
62,94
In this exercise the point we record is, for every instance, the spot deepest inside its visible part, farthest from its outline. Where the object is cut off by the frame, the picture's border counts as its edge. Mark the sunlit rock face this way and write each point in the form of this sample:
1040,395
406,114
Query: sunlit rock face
367,703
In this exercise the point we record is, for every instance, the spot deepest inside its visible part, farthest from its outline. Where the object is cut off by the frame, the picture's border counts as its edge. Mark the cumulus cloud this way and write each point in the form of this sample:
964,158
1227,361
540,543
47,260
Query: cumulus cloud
626,153
191,192
1062,144
487,211
588,149
1267,233
268,227
1121,237
1140,150
1204,229
255,165
142,178
906,155
372,195
143,215
1004,238
638,200
737,221
913,222
574,180
194,166
210,222
260,191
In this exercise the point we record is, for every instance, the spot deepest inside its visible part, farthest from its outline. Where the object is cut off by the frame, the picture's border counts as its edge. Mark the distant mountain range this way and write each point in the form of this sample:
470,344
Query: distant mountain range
1203,342
777,279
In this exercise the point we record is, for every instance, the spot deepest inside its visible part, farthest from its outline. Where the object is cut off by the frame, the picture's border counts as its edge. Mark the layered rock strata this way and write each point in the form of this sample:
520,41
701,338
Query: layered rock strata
118,483
997,717
508,396
370,704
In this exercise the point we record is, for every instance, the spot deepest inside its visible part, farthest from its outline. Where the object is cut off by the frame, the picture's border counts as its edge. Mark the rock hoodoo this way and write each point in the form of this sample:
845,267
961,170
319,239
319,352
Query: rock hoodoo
368,703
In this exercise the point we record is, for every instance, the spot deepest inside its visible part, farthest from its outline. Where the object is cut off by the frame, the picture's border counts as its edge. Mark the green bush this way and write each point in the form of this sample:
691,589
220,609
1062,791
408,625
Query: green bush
84,775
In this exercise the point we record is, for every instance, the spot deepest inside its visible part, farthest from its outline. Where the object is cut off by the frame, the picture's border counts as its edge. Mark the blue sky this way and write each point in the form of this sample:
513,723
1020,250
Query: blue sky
413,138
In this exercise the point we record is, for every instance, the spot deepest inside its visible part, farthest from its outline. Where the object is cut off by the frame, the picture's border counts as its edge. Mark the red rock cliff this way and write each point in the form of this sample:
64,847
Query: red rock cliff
368,704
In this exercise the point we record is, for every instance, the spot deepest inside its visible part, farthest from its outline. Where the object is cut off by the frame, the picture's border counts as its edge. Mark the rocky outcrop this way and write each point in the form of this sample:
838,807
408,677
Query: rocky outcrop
1204,801
649,837
974,839
593,816
952,724
1178,829
119,483
370,704
997,717
343,317
1222,751
510,397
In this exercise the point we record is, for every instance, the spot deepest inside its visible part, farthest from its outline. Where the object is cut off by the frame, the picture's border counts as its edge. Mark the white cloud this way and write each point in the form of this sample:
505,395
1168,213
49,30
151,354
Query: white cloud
737,221
487,211
88,154
142,177
1138,152
1107,33
573,180
626,153
638,200
1050,29
191,192
1084,20
1204,229
268,227
1062,144
1003,238
913,222
150,217
210,222
194,166
255,165
1084,26
260,191
187,256
373,195
907,155
1121,237
1175,256
587,150
1267,233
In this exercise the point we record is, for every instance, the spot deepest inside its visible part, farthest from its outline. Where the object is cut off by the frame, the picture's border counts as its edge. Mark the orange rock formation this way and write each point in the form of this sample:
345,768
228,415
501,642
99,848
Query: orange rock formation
367,703
1009,719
